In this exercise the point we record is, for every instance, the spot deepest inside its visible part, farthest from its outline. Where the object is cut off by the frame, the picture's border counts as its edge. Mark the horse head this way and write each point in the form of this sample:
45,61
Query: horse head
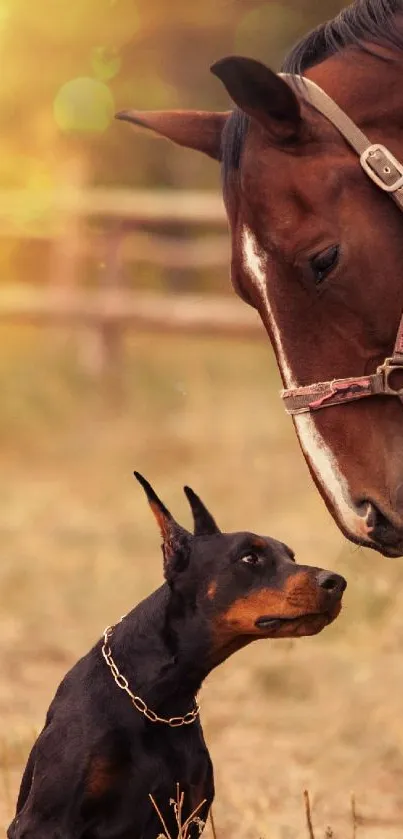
317,249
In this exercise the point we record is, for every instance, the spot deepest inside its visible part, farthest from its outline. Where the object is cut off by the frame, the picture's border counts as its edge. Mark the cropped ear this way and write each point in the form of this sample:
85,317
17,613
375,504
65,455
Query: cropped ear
199,130
261,94
176,540
204,524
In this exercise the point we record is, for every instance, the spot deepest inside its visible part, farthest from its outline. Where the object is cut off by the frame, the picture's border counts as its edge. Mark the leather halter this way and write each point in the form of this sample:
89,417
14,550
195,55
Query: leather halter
387,173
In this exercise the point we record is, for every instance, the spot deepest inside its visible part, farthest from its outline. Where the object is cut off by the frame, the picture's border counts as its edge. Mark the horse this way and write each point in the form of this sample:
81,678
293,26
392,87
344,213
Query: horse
317,246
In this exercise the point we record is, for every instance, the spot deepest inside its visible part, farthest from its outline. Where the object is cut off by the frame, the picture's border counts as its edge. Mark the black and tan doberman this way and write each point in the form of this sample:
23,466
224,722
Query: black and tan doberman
103,750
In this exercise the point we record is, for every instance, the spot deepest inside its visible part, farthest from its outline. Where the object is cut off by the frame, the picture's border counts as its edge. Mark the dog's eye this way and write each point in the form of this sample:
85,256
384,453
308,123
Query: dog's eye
323,263
251,559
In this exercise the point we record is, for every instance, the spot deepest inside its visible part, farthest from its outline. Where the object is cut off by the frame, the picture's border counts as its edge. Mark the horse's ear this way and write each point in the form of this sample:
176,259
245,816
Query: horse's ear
176,540
199,130
204,524
261,94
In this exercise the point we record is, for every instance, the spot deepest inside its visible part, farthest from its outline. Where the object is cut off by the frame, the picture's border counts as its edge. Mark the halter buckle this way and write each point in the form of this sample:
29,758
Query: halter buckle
386,369
382,167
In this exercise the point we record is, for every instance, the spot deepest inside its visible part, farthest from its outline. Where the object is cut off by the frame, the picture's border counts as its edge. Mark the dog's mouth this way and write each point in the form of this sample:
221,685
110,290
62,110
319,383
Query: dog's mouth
295,625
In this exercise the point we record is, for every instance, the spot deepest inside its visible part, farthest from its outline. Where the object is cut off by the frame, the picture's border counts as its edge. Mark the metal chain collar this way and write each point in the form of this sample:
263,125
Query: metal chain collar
137,701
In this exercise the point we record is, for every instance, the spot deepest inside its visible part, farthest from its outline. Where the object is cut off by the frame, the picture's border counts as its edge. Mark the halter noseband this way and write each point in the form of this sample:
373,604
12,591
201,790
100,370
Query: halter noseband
387,173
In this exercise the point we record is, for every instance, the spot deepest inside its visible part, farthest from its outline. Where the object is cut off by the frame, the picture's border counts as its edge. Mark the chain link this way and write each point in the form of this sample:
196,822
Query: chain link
137,701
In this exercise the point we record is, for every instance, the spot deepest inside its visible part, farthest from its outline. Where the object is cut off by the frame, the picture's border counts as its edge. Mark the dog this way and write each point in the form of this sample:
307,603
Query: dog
122,735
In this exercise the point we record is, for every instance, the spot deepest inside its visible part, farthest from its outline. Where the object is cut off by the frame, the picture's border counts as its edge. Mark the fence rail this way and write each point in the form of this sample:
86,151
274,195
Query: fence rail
152,207
174,231
197,314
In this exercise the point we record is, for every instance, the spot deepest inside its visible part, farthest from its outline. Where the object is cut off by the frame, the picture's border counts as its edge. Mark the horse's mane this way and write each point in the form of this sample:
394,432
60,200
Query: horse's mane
363,23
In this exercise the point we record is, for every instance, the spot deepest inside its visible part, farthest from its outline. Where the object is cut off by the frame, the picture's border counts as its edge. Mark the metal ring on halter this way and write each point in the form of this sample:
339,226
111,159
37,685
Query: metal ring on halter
389,368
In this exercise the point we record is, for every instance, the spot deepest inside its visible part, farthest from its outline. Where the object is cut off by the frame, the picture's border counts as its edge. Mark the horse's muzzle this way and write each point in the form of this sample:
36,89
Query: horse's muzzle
386,530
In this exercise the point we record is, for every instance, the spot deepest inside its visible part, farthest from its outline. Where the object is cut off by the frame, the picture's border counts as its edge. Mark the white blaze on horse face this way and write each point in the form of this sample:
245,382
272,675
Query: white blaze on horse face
324,465
318,454
254,263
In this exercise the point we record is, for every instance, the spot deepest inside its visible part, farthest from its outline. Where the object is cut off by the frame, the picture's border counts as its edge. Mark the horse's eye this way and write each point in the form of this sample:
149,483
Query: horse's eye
323,263
251,559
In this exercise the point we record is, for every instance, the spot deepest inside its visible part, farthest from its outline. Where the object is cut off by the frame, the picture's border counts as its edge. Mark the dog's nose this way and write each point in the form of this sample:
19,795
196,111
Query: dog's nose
332,583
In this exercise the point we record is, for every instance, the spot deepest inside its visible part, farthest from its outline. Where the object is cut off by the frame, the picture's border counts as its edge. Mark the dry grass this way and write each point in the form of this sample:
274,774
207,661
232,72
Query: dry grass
185,827
79,548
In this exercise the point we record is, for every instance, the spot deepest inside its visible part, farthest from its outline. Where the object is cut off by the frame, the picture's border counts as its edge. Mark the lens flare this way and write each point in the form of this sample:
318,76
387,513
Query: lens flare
105,63
84,105
4,15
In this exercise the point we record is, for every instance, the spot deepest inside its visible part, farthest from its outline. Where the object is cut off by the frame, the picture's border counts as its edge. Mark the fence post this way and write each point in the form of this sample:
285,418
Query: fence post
67,250
110,334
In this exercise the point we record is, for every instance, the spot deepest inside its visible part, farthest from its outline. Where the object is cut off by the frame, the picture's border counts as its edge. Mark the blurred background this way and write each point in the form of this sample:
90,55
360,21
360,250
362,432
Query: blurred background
124,347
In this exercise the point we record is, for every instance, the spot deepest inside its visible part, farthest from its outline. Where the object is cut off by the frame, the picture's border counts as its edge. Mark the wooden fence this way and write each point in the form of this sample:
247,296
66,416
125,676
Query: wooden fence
115,227
196,314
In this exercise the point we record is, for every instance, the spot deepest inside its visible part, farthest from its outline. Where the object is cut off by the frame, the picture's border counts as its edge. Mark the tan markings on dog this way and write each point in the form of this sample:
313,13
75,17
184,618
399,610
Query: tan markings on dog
102,775
257,542
212,589
300,598
162,521
197,794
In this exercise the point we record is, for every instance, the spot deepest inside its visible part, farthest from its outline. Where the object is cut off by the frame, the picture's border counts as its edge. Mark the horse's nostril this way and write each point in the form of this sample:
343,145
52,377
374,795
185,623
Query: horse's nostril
382,529
332,583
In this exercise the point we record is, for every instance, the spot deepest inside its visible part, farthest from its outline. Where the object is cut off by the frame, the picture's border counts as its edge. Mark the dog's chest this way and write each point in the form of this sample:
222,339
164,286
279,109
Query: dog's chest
172,756
165,771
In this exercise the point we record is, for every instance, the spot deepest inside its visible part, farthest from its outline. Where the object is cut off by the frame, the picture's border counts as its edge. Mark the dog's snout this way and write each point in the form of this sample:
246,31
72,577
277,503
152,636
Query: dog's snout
332,583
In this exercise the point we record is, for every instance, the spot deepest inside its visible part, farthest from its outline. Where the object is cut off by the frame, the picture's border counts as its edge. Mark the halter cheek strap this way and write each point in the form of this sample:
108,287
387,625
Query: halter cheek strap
387,173
376,160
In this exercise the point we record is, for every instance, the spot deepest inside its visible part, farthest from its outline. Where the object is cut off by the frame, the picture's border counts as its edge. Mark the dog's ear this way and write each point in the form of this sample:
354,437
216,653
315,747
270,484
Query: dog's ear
176,541
204,524
199,130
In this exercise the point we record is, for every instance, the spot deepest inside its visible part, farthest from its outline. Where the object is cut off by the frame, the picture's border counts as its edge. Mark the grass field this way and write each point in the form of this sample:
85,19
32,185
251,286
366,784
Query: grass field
79,548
